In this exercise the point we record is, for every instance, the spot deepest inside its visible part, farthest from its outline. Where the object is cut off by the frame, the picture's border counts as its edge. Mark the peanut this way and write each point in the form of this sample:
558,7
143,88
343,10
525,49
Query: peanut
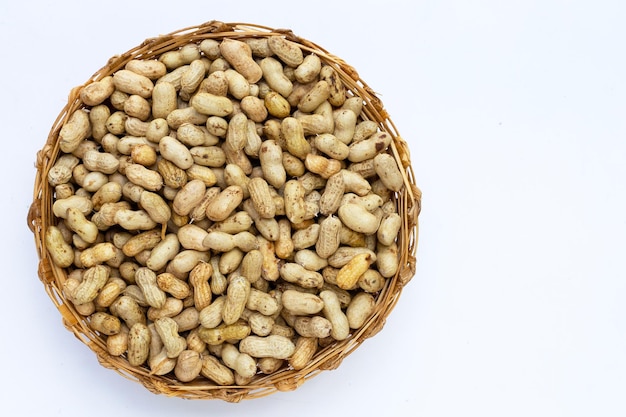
60,251
334,314
272,346
138,344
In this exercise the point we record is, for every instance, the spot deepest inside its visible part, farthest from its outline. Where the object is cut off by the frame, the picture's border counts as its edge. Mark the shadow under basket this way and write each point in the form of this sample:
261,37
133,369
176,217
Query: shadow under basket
328,355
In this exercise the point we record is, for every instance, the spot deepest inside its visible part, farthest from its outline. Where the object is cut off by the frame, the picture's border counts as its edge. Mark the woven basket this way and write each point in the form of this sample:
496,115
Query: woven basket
40,216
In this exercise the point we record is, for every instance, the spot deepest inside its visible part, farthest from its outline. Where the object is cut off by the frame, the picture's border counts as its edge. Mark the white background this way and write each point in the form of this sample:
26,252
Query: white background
515,112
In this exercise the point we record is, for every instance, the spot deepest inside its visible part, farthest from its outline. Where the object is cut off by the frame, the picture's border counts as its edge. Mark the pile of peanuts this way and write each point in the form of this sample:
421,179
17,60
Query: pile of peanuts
224,210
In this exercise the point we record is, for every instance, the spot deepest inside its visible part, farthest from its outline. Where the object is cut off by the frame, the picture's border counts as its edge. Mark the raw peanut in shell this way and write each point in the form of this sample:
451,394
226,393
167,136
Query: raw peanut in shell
94,279
60,251
188,197
138,344
74,131
225,203
292,131
350,273
388,171
239,55
212,105
358,218
175,151
360,309
272,346
132,83
236,299
261,198
288,52
98,91
104,323
334,314
329,240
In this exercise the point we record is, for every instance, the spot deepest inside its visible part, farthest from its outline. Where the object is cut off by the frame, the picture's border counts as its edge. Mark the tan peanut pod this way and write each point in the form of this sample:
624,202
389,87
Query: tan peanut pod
97,254
262,302
110,192
188,197
133,291
337,88
138,344
60,251
236,299
254,108
194,342
146,279
155,206
310,260
230,261
137,107
345,123
157,128
306,237
305,348
225,203
215,83
314,97
270,157
175,151
192,237
199,279
293,166
127,309
84,204
130,82
355,182
345,253
74,131
332,311
388,171
163,252
117,344
142,241
294,273
243,364
309,69
188,319
211,105
251,265
134,219
104,323
211,316
235,175
224,333
268,366
136,127
239,55
217,372
288,52
315,326
369,148
293,133
160,363
321,121
198,213
191,78
272,346
360,309
98,91
268,228
140,175
301,303
218,281
333,192
387,260
389,228
261,198
260,324
350,273
109,293
358,218
371,281
322,166
284,246
172,285
150,68
364,129
61,171
203,173
188,366
93,280
293,195
144,155
270,269
103,162
330,145
275,77
180,116
235,223
172,175
167,329
98,117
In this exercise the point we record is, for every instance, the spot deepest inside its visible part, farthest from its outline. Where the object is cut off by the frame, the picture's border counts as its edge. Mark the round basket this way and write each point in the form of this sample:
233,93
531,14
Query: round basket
329,355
